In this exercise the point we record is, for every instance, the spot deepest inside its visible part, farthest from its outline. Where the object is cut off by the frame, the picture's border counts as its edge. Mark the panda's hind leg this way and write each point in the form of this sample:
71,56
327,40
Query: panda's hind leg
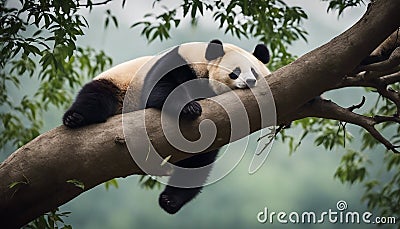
96,101
173,198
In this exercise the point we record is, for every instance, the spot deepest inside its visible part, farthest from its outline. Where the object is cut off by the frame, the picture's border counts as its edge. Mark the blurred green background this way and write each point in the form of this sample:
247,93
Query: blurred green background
300,182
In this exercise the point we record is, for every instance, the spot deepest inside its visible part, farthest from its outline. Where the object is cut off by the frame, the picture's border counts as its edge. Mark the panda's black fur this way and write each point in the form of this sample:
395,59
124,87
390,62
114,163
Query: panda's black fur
101,98
95,103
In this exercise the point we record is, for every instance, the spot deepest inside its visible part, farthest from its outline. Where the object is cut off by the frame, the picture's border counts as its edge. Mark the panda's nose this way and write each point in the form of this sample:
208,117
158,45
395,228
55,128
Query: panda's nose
251,82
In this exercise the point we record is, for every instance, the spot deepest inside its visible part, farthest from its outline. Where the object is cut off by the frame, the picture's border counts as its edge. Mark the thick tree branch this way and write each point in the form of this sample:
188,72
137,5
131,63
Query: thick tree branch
379,75
322,108
95,154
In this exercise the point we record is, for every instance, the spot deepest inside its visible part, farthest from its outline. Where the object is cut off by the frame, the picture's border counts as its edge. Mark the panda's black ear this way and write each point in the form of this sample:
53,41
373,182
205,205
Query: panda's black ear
214,50
261,53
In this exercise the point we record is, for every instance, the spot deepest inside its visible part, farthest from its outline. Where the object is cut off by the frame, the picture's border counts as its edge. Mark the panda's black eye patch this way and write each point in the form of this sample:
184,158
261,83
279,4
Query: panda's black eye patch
254,73
235,73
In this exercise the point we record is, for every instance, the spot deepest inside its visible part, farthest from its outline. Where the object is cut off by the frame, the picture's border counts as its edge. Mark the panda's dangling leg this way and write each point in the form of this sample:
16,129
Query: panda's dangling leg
173,198
95,102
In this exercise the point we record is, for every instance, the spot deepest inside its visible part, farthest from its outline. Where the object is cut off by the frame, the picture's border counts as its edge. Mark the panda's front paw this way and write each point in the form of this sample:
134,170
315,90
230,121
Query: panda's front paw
73,119
192,110
170,203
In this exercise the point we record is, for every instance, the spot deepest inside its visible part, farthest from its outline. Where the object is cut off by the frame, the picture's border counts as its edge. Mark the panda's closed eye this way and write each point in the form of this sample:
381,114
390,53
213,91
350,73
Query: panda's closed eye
254,73
235,73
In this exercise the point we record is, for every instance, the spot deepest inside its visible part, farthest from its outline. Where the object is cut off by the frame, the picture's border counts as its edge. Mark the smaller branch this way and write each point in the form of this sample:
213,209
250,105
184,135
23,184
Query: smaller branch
380,74
357,106
388,45
275,132
383,61
381,86
371,78
384,50
391,95
392,62
391,78
378,136
381,119
356,81
322,108
271,136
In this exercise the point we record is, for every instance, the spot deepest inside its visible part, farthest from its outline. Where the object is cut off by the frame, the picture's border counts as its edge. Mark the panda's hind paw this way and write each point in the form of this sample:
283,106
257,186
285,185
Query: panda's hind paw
192,110
170,203
73,119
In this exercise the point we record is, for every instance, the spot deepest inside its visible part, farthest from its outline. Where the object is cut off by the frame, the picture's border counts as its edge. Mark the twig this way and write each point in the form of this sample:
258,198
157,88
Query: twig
380,119
391,78
357,106
391,62
391,95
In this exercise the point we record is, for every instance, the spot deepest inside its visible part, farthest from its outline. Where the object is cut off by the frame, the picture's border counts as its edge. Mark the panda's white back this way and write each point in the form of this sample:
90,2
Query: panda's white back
122,74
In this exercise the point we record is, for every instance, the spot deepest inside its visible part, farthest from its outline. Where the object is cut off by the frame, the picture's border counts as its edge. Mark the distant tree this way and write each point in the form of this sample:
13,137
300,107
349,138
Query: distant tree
38,40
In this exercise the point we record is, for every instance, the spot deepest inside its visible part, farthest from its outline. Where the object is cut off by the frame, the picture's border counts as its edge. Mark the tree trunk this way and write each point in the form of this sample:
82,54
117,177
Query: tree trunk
34,178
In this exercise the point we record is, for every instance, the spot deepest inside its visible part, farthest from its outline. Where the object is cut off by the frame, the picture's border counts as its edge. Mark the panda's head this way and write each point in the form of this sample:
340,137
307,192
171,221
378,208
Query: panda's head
232,66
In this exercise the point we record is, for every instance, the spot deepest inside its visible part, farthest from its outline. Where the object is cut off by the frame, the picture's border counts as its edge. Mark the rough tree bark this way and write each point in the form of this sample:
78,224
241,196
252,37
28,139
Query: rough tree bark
95,154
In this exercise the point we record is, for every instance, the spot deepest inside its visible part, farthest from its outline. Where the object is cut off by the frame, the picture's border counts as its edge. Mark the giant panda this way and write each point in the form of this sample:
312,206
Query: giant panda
225,63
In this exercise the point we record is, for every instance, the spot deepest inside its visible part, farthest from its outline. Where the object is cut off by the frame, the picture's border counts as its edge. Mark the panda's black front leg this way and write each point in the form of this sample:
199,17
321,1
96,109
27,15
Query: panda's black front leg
95,102
191,110
173,198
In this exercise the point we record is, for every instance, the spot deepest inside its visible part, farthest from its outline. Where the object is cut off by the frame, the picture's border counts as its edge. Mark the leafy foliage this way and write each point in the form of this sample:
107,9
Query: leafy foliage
384,196
149,182
351,168
38,43
37,39
112,182
341,5
328,133
272,22
51,220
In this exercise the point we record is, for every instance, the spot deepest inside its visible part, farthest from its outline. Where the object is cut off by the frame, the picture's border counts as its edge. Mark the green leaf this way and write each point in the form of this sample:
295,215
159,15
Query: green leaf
77,183
149,183
115,21
14,184
112,182
106,23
